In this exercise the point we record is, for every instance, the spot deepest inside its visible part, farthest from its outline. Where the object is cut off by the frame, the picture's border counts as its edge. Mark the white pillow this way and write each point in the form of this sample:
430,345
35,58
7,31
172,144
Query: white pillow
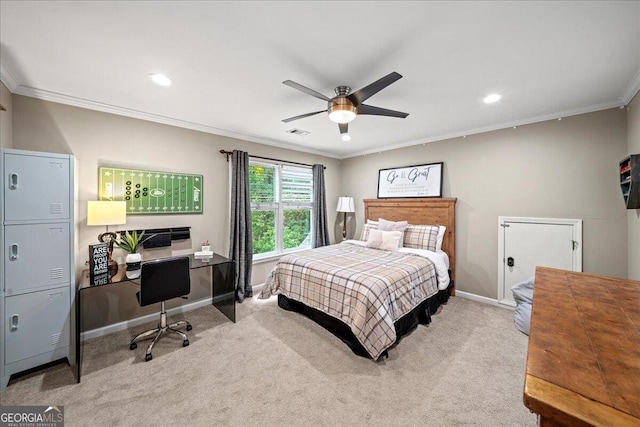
385,225
374,224
440,237
384,240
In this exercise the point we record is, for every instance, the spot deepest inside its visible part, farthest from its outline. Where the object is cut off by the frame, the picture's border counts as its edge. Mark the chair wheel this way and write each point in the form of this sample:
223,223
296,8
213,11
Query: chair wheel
133,346
185,343
189,327
148,357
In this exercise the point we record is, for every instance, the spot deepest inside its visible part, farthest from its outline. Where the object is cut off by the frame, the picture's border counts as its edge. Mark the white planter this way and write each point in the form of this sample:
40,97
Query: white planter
134,264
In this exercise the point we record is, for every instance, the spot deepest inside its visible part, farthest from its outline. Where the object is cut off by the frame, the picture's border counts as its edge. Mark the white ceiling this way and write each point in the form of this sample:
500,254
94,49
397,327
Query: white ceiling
228,61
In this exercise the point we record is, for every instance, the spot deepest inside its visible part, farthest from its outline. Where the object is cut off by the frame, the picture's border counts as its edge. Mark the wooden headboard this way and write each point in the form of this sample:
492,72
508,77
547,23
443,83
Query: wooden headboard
431,211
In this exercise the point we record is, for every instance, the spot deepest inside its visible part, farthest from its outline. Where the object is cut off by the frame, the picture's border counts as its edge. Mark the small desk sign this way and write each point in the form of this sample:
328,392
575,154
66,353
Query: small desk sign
410,181
98,259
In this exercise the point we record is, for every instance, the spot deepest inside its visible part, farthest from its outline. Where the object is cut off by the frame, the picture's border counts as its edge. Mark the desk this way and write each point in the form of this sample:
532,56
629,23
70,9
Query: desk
222,291
583,360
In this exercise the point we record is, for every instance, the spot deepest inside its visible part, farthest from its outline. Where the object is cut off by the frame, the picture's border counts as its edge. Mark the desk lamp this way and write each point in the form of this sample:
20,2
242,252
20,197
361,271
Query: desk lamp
346,205
107,213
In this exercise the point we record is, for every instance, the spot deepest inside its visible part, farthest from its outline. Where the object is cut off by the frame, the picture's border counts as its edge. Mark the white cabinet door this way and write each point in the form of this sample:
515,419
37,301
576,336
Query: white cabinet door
36,256
36,187
36,323
529,242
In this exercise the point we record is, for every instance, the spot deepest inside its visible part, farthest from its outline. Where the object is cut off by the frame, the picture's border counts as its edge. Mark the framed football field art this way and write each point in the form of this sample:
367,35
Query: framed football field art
151,192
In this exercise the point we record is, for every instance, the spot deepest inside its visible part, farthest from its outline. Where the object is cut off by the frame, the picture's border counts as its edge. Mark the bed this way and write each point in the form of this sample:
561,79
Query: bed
369,297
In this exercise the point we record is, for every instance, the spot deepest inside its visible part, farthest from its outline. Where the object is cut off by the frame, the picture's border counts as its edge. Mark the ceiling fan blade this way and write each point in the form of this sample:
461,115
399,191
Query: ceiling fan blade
377,111
344,128
361,95
305,89
302,116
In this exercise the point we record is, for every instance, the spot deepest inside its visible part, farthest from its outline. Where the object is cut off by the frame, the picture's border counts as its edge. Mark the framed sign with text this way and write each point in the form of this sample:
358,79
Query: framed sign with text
410,181
98,259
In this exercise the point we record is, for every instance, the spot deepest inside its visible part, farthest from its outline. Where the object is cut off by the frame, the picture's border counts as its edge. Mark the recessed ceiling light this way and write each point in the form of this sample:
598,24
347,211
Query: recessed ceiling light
494,97
160,79
345,137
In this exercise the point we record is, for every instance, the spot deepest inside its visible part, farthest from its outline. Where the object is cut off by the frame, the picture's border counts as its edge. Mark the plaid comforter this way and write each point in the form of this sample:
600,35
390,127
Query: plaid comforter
368,289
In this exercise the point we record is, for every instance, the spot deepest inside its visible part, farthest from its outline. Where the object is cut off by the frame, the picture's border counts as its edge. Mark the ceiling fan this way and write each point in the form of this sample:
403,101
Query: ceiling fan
345,106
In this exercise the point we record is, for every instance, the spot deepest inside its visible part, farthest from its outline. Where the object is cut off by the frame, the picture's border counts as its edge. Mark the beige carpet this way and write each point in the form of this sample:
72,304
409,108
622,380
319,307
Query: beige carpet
279,368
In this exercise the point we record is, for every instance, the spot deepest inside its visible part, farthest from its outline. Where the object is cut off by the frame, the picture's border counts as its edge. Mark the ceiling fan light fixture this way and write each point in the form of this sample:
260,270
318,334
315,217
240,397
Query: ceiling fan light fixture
344,107
342,116
341,110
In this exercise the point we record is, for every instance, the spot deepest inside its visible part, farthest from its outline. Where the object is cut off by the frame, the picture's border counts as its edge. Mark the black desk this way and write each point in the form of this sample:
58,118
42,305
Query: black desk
222,291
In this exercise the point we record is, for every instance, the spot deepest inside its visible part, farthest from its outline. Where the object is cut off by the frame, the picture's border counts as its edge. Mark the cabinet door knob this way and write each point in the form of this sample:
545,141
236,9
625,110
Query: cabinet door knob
13,324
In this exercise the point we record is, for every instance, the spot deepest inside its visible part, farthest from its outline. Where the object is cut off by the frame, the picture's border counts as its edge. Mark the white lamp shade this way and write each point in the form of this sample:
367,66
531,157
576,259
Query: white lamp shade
106,213
345,204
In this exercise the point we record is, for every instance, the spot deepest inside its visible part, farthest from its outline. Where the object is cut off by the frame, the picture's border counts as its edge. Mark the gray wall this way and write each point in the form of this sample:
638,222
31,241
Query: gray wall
6,126
556,169
101,139
560,169
633,216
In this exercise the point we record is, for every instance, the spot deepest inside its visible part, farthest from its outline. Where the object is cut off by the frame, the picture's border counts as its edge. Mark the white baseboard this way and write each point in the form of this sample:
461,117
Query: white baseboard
507,303
482,299
98,332
257,288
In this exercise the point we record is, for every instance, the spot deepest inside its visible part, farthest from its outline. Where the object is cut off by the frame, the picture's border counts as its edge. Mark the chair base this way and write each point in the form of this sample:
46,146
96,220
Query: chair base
160,330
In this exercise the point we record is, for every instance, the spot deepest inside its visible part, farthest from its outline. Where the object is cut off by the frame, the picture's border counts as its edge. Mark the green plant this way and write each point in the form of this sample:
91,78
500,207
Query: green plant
130,241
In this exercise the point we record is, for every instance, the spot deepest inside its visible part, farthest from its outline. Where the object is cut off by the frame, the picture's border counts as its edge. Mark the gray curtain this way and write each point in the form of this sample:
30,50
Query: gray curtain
320,234
241,243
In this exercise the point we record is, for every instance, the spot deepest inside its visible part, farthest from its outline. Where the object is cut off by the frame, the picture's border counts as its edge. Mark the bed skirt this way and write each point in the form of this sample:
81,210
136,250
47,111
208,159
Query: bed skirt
419,315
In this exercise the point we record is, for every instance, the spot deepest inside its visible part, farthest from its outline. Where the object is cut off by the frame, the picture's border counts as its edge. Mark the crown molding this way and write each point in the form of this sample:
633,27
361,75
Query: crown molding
631,90
538,119
113,109
7,79
11,84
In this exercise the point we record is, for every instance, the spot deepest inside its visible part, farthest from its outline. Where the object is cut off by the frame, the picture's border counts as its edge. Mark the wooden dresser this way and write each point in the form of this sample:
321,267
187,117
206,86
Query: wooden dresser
583,361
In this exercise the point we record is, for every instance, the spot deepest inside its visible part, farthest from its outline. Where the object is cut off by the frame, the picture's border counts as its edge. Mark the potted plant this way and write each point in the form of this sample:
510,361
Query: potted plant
129,242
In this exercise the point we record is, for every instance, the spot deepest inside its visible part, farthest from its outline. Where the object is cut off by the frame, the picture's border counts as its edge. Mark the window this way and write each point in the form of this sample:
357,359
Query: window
281,202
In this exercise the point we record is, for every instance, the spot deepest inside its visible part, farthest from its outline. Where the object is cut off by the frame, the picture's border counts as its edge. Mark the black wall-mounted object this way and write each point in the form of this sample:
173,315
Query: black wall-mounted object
630,181
162,237
157,238
180,233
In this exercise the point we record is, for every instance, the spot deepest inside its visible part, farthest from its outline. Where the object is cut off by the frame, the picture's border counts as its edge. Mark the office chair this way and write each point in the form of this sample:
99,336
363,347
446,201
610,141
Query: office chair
161,280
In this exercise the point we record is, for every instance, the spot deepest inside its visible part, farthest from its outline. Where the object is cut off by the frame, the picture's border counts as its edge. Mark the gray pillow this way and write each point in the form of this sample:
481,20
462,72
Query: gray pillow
523,296
523,291
522,317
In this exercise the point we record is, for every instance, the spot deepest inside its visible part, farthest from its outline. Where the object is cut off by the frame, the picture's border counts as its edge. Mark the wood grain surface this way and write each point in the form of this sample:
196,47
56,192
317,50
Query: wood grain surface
583,361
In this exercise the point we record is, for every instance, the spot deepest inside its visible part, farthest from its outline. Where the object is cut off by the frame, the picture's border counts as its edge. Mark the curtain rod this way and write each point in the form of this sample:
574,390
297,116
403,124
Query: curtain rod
228,153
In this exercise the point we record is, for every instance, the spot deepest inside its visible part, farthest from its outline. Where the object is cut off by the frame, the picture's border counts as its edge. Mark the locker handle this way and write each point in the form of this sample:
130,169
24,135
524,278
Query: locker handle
510,262
13,181
13,252
13,324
